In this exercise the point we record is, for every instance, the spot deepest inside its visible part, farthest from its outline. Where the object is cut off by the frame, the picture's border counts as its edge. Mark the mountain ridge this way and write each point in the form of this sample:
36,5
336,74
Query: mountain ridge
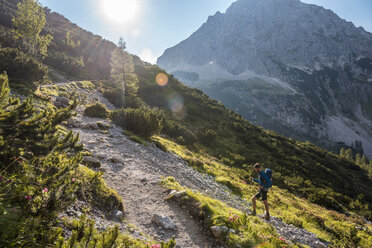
299,45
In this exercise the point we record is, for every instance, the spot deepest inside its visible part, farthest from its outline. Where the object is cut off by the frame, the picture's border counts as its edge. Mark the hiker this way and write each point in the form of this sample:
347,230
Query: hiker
264,184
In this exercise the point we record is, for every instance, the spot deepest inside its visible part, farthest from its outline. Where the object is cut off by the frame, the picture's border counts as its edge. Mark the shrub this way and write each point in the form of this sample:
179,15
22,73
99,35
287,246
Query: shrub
22,69
143,122
37,179
176,130
114,97
208,136
97,110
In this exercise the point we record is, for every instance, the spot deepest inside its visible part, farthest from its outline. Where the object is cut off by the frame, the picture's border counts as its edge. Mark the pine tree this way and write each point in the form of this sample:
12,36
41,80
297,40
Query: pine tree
28,132
342,153
364,162
122,73
349,155
358,159
37,175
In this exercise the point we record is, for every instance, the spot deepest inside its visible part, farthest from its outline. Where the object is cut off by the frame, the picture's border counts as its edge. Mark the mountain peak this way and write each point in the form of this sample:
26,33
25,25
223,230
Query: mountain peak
301,48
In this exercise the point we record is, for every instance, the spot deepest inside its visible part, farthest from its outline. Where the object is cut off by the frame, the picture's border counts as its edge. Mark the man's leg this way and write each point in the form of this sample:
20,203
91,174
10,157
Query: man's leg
266,206
258,195
254,204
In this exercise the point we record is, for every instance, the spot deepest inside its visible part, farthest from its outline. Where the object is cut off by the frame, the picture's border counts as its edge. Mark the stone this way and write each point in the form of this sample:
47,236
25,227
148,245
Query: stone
116,160
219,231
179,194
318,244
73,122
90,125
118,215
92,162
103,125
163,221
172,192
61,102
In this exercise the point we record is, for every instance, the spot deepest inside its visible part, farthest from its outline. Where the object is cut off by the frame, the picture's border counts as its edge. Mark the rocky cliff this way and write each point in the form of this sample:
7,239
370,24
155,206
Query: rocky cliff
292,67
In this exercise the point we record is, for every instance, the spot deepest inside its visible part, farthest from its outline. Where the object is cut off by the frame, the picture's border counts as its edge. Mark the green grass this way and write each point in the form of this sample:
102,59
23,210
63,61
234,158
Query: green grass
250,231
94,191
328,225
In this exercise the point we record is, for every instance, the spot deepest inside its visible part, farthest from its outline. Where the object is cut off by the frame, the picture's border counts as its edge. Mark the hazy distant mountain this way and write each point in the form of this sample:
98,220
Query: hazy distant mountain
293,67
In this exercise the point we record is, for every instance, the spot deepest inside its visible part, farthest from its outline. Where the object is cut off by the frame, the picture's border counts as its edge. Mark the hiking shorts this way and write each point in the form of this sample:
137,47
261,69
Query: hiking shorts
261,193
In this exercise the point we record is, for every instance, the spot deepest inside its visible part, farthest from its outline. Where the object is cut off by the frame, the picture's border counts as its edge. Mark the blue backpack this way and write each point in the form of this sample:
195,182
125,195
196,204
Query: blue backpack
269,174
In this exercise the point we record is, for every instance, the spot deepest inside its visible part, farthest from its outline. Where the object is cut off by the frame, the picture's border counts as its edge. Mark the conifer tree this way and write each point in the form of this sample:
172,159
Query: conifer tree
349,155
358,159
364,162
342,153
37,175
28,22
122,73
27,132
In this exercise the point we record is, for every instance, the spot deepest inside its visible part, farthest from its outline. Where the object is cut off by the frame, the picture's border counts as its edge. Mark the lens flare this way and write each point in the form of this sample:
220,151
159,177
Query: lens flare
161,79
176,105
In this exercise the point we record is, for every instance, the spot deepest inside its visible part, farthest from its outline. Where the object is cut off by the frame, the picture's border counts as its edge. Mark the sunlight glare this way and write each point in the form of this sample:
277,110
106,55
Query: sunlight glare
120,11
162,79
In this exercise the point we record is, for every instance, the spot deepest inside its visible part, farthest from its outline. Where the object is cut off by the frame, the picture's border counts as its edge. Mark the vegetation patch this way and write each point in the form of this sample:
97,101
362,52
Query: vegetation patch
248,231
144,122
93,190
98,110
326,224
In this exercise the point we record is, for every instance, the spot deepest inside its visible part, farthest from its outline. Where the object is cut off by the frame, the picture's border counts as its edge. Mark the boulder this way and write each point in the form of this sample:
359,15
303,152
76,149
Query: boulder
103,125
180,194
118,215
92,162
73,122
90,125
319,244
116,160
219,231
61,102
163,221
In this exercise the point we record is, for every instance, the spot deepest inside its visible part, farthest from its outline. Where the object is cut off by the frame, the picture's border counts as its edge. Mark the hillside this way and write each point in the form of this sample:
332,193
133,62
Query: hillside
306,75
74,51
174,138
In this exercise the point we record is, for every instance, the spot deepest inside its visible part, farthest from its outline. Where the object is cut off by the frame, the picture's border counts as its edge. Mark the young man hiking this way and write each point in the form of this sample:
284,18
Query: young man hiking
264,184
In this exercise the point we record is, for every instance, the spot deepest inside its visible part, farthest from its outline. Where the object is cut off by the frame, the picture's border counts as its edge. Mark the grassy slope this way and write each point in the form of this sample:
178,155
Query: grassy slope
302,168
328,225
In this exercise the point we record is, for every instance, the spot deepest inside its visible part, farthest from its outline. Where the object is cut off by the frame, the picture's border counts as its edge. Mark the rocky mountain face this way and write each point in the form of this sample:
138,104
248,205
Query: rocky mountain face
296,68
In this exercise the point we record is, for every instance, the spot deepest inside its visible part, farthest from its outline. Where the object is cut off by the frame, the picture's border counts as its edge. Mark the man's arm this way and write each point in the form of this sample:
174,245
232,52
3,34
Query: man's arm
254,179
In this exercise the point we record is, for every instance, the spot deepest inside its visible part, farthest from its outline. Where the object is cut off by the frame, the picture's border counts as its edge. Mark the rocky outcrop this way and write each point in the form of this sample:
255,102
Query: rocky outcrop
292,67
163,221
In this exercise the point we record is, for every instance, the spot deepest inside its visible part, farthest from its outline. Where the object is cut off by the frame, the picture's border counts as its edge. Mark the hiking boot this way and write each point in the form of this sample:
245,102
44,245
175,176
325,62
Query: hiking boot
267,216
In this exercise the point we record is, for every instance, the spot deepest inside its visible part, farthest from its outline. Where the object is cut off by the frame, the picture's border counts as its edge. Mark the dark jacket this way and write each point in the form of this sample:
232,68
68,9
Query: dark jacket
262,180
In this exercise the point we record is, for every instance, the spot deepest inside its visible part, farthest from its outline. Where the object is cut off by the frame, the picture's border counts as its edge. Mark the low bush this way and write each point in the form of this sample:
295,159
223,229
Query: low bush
115,97
97,110
178,131
144,122
23,71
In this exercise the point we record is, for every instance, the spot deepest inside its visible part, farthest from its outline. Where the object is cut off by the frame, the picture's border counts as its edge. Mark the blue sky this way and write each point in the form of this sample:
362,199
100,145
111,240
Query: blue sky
160,24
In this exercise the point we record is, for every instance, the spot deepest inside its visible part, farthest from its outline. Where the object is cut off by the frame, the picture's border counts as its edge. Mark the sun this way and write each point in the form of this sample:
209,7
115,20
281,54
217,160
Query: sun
120,11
